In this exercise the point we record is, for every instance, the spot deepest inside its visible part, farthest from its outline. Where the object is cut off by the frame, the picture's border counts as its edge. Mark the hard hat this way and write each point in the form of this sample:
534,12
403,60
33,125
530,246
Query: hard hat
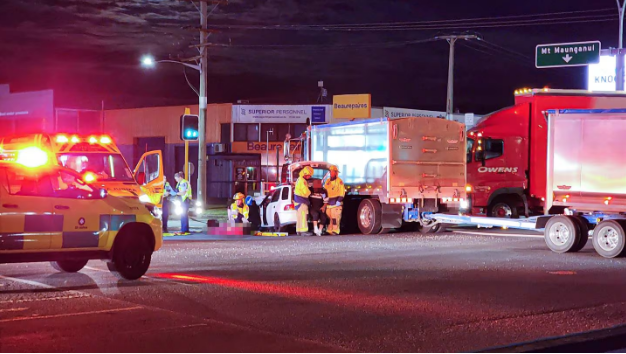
306,171
249,200
334,168
238,196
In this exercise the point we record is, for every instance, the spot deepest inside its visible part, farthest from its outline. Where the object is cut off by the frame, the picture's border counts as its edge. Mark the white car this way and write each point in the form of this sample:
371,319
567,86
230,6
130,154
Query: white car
276,209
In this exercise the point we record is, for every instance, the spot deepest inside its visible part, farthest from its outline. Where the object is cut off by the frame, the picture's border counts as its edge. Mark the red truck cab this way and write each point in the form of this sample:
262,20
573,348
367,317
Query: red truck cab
507,149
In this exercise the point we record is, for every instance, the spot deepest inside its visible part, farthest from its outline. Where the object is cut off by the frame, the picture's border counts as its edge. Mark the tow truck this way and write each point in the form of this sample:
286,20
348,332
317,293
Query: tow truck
584,177
49,213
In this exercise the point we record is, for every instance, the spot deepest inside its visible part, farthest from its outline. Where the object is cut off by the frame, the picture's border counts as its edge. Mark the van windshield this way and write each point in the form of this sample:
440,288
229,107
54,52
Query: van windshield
107,167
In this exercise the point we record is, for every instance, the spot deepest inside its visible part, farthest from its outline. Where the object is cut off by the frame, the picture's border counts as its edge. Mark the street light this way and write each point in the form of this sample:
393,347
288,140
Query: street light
147,61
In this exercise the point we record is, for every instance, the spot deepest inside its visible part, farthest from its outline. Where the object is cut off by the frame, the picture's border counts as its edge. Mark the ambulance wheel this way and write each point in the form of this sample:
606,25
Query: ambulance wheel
69,266
562,234
131,256
369,216
609,238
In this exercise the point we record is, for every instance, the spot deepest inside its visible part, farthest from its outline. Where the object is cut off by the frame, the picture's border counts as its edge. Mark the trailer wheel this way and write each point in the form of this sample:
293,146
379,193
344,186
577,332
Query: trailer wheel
562,234
369,216
583,224
434,229
608,238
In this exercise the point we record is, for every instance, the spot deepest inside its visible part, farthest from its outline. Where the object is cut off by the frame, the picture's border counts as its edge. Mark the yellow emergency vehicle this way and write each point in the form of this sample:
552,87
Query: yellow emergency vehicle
48,213
99,161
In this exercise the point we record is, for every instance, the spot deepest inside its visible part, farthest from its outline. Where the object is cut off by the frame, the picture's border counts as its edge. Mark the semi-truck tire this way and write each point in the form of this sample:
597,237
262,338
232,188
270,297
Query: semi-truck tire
583,224
504,207
369,216
609,238
562,234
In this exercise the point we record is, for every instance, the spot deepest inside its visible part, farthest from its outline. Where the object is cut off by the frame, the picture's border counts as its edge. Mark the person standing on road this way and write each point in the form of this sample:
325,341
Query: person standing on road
301,201
336,192
238,211
183,189
169,193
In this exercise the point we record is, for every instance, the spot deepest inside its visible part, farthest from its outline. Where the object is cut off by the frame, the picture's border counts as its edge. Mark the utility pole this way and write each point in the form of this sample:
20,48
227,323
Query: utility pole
619,57
450,98
204,14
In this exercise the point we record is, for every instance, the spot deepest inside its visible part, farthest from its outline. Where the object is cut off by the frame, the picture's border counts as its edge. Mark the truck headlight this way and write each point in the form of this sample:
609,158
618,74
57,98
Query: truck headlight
464,204
144,198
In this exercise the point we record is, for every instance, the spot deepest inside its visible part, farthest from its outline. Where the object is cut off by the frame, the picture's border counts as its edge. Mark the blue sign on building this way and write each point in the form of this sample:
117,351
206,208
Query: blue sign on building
318,114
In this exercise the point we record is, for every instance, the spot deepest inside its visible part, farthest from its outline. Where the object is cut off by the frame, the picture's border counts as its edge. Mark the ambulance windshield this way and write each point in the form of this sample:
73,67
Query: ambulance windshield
106,167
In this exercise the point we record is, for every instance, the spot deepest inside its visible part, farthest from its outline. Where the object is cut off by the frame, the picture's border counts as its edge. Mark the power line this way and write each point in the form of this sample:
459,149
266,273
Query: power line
458,20
450,24
322,46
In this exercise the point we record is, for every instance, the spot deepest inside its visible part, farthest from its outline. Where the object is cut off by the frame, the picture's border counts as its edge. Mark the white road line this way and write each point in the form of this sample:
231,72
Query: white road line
14,310
70,314
498,235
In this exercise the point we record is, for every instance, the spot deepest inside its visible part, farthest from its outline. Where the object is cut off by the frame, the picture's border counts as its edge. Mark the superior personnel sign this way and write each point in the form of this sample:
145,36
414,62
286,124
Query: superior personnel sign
567,54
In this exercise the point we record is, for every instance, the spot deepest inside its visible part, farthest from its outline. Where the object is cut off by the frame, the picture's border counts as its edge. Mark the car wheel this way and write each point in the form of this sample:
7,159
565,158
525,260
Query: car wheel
277,226
69,266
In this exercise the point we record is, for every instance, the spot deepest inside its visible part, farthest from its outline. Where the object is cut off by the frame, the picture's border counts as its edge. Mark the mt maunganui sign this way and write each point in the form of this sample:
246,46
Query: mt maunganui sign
567,54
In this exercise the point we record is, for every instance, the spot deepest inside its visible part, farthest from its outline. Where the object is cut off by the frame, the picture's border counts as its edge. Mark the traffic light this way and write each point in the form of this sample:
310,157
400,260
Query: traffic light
189,127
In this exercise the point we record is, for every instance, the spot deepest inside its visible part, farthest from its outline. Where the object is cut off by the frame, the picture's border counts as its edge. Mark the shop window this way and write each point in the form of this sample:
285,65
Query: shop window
246,132
269,131
225,133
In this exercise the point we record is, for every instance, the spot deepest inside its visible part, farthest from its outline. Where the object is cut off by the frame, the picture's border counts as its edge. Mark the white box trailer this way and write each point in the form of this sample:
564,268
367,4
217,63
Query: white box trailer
586,177
395,169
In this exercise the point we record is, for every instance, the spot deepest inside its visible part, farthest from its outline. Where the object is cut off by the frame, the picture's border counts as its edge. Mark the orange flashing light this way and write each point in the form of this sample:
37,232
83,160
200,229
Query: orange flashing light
105,140
93,140
32,157
62,139
89,177
75,139
468,188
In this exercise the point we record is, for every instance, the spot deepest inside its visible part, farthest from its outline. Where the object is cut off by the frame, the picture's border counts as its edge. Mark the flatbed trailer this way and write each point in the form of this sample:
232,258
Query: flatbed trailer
586,177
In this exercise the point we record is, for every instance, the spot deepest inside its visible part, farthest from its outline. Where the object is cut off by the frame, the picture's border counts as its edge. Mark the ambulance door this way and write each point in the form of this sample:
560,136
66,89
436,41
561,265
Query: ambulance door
83,210
149,175
26,218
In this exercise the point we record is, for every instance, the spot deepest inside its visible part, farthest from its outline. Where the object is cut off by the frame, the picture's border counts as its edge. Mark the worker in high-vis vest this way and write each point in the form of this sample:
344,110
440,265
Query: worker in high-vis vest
336,192
301,201
238,211
183,189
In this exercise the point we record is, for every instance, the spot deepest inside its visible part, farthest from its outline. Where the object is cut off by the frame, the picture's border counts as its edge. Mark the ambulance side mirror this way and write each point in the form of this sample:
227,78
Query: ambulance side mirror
141,178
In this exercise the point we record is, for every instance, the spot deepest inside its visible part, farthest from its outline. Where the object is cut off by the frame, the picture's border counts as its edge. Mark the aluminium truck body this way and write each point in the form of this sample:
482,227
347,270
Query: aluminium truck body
397,169
585,176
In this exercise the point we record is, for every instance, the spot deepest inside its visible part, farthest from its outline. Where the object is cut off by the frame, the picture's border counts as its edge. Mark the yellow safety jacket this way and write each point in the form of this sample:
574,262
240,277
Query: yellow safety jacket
187,194
336,191
237,211
301,193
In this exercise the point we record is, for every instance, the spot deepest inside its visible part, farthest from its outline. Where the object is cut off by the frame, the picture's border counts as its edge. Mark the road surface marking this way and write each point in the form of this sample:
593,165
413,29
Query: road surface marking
69,314
14,310
18,301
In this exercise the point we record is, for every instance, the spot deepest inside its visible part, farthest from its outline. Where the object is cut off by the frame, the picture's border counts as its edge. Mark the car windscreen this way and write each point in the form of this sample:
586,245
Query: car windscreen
107,167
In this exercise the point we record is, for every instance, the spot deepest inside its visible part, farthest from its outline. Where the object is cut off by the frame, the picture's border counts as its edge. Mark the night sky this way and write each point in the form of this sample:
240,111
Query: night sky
89,50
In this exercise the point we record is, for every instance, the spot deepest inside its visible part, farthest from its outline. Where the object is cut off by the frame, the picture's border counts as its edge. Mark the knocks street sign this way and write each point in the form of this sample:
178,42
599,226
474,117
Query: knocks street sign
567,54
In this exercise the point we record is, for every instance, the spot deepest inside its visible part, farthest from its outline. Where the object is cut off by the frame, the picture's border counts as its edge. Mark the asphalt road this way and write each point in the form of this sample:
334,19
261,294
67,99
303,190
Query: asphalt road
386,293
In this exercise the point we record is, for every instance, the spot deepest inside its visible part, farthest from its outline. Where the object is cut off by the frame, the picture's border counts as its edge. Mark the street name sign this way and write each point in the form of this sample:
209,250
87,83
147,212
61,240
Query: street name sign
567,54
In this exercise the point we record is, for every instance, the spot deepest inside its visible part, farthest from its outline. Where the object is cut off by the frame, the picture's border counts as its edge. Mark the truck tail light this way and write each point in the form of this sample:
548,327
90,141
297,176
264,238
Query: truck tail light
289,207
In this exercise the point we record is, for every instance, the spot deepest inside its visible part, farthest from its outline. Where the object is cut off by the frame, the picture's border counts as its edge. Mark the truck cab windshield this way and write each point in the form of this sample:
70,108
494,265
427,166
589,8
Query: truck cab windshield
107,167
